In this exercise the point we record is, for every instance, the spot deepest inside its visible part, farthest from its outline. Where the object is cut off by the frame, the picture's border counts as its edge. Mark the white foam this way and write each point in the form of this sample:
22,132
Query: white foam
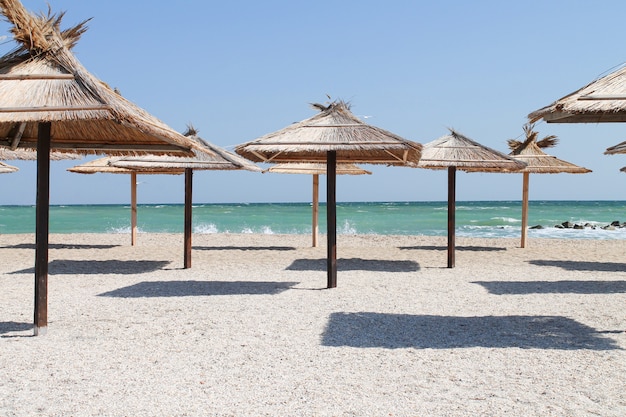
347,229
206,228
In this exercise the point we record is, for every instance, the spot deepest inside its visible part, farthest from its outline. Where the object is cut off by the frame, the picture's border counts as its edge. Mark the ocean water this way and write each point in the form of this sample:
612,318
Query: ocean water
473,219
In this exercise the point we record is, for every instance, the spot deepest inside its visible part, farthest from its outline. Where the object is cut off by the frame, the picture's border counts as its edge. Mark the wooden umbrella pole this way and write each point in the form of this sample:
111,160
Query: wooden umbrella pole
133,208
42,229
188,201
525,208
331,217
316,198
451,214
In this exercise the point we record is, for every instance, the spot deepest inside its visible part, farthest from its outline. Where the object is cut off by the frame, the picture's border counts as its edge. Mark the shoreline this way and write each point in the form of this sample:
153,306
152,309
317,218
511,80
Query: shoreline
479,219
251,330
585,233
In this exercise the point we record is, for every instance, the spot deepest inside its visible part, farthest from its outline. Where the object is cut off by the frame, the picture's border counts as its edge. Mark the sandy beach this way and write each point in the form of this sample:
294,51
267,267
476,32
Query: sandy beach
250,329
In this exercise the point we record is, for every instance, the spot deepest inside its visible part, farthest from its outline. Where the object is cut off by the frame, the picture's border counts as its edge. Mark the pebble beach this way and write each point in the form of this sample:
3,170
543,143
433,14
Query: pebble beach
251,330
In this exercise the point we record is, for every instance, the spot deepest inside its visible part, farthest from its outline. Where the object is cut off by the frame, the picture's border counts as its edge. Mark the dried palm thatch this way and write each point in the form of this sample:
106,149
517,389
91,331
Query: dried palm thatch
616,149
206,156
104,165
316,169
335,128
48,100
531,137
31,155
32,32
623,169
42,81
5,169
333,136
456,150
537,161
602,100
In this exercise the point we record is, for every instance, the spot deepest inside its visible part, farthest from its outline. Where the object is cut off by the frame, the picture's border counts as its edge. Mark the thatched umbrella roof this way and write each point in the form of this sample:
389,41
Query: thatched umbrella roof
602,100
100,165
48,100
206,157
106,165
316,169
5,169
42,81
336,129
455,151
537,161
622,169
334,135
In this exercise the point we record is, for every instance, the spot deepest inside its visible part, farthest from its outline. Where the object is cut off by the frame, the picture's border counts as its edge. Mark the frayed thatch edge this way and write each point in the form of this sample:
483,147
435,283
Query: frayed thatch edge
38,34
530,134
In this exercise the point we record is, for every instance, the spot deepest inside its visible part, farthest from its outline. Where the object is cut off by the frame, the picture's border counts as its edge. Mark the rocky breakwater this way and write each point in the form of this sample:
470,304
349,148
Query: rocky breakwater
569,225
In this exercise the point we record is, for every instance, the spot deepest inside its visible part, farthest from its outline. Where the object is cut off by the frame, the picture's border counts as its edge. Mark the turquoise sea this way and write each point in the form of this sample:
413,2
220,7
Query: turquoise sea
474,219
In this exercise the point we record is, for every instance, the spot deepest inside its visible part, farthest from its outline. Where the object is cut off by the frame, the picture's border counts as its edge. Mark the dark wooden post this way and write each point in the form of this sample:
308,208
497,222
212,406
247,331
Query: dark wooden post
133,208
451,214
331,217
42,229
188,202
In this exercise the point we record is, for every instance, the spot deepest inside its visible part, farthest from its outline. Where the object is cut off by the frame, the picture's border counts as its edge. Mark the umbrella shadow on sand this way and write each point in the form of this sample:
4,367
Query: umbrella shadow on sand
198,289
553,287
582,265
65,267
355,264
13,326
245,248
399,331
459,248
62,246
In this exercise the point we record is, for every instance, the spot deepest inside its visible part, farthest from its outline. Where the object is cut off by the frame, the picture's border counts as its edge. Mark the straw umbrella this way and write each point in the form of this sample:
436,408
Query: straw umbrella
106,165
455,151
5,169
48,100
530,152
206,157
333,136
316,170
602,100
26,154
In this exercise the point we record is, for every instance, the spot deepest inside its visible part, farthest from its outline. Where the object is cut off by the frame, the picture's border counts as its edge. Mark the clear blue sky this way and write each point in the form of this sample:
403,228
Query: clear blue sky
237,70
